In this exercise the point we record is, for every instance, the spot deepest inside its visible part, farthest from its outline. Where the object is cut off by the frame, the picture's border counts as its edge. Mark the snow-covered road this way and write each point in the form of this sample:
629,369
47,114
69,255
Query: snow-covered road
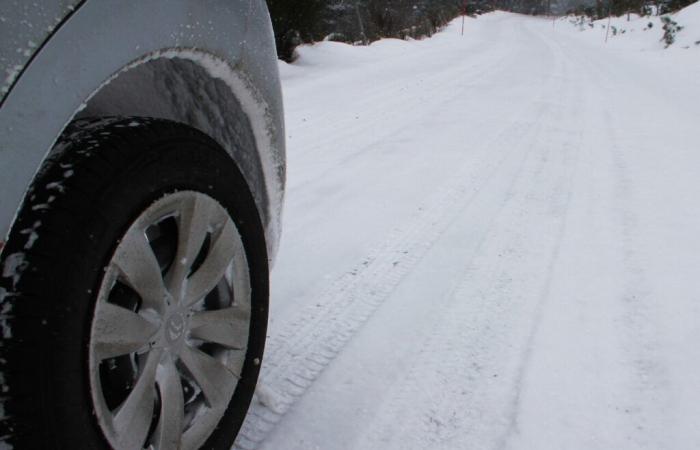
490,241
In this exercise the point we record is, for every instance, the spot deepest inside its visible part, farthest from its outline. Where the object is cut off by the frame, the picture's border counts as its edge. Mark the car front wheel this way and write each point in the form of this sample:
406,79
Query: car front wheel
134,293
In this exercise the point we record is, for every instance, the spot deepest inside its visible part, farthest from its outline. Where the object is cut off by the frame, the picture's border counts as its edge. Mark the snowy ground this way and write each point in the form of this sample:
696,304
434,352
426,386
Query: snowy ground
641,33
490,241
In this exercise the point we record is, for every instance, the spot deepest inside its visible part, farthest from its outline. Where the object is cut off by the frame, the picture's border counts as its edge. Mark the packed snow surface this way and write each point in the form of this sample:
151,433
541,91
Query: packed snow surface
490,241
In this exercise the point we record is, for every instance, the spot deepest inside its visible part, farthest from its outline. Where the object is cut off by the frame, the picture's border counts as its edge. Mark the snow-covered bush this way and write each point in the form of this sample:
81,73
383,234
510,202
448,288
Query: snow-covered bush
670,28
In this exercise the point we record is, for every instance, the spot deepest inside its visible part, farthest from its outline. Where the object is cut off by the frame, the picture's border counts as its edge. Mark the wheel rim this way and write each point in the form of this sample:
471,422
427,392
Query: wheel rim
170,327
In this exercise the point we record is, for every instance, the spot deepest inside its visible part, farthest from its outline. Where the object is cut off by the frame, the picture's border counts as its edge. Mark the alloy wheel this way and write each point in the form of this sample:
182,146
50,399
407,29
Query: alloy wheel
170,326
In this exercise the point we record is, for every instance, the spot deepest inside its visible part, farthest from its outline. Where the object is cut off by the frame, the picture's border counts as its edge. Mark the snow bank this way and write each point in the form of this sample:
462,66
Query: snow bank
689,19
329,55
643,33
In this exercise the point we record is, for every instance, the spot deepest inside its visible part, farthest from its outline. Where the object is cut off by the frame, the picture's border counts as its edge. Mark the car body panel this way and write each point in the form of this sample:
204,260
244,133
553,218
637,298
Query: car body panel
24,26
79,69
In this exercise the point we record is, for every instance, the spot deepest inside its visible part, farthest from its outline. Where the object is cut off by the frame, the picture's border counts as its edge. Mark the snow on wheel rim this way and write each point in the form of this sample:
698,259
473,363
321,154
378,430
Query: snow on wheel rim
170,327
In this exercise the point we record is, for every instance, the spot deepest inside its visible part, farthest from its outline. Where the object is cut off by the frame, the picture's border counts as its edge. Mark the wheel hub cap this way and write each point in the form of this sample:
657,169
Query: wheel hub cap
176,328
170,327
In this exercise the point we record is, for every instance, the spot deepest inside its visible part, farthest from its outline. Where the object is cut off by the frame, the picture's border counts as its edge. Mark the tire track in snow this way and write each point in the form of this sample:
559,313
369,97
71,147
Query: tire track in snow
470,332
565,188
641,332
310,341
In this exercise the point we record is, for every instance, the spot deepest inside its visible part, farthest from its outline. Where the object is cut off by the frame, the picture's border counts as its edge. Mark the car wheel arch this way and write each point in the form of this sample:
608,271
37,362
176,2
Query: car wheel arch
197,89
59,86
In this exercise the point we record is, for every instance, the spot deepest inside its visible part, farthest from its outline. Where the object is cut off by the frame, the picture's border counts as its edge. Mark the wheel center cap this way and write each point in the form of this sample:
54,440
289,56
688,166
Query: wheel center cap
175,327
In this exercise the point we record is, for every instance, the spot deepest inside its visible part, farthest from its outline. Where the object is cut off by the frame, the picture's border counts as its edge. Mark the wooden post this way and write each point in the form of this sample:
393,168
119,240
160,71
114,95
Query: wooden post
607,29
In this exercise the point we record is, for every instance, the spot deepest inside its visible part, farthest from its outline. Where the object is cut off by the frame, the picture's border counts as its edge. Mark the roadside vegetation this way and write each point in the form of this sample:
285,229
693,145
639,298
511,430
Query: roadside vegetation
361,22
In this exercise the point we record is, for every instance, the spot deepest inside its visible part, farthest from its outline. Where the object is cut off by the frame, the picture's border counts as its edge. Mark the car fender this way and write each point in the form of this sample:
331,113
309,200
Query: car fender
210,65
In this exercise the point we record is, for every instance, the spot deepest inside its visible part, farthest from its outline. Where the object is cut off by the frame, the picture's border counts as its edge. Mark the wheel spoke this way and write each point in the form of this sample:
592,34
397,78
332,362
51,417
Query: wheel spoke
193,226
138,265
168,433
133,419
215,380
228,327
236,360
118,331
214,266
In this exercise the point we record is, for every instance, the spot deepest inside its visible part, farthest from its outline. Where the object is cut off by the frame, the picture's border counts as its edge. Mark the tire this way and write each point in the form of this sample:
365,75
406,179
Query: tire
79,286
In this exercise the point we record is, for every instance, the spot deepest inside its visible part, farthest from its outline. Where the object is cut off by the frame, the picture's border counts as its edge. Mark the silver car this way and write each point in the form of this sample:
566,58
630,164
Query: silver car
142,172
